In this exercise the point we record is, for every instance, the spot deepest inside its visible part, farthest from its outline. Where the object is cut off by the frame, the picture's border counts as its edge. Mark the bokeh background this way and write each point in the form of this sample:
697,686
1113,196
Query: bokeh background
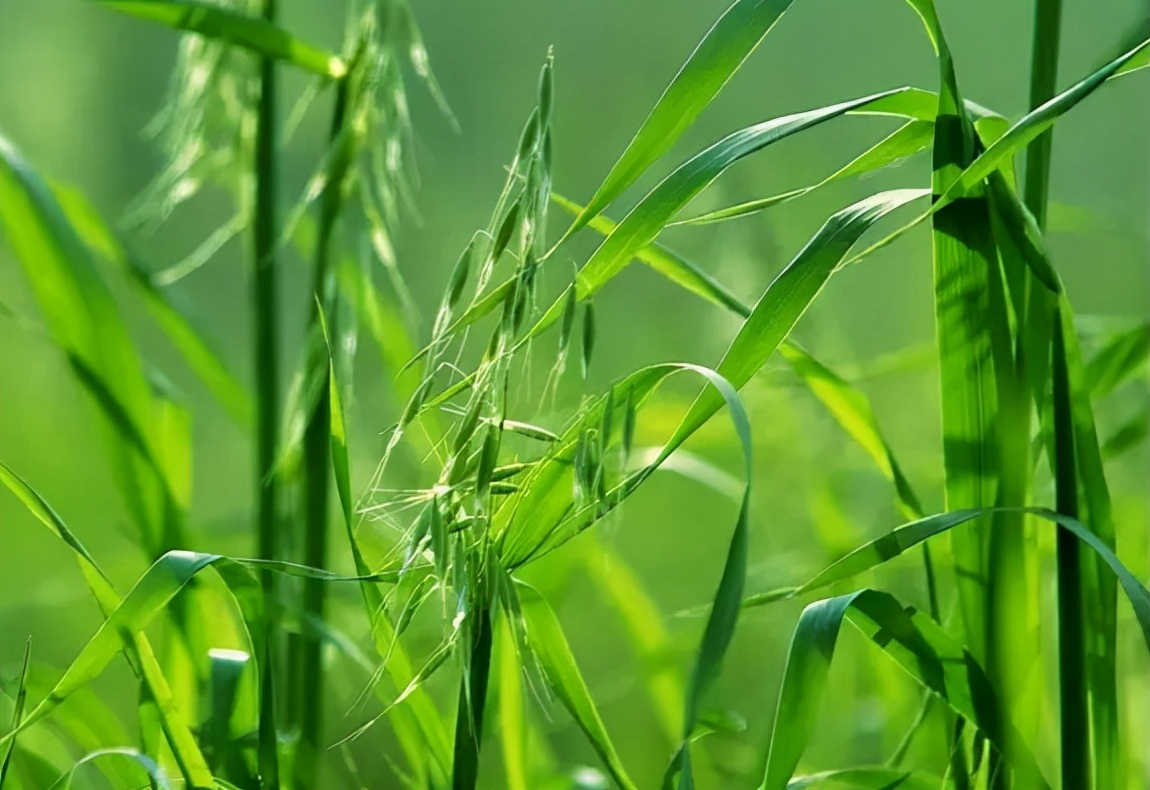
78,84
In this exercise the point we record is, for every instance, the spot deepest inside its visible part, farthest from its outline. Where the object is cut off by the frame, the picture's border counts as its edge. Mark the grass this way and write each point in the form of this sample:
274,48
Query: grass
453,663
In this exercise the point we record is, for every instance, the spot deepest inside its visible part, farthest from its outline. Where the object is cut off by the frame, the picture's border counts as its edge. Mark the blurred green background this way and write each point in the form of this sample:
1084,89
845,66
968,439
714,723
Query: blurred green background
78,84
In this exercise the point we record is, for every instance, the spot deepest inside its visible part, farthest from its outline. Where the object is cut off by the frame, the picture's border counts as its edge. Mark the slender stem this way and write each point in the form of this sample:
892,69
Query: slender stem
472,703
1073,713
317,471
264,300
1043,76
1072,685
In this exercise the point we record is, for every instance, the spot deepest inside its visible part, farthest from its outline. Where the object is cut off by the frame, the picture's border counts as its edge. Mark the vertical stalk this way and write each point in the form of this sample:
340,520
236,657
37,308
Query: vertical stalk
1043,75
472,703
1073,712
264,293
264,233
317,457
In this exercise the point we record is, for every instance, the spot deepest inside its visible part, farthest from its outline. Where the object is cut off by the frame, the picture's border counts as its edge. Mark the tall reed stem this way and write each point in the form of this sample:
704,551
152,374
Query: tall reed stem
264,292
472,704
1073,711
265,233
1043,77
1074,729
317,468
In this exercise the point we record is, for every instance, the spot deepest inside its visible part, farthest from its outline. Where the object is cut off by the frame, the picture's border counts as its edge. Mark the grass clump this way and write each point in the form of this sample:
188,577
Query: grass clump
451,659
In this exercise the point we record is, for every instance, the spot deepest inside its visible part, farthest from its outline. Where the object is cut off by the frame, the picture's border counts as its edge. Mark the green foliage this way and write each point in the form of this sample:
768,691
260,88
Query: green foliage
490,514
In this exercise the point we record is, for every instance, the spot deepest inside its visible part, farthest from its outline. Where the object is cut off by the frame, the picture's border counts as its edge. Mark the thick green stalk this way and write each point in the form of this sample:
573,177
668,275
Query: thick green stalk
472,703
1083,679
316,466
1043,76
1073,714
265,232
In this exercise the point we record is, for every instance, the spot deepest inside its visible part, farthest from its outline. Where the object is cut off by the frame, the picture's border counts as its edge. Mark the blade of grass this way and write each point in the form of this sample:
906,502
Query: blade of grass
197,353
147,599
917,643
550,649
1122,356
180,739
155,774
260,35
227,668
896,542
86,324
1072,684
791,293
909,139
513,731
418,725
317,450
724,48
868,778
848,405
17,712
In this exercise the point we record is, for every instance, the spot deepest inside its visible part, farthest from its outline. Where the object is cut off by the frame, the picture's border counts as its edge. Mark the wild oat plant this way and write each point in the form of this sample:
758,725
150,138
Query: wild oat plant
460,668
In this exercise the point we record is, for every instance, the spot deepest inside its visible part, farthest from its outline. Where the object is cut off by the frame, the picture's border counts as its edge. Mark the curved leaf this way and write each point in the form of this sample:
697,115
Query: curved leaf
135,645
715,60
221,24
909,139
899,540
550,649
917,643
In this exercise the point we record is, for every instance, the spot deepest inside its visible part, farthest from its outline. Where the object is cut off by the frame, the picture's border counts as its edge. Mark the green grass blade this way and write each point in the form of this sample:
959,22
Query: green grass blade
513,728
226,671
418,725
715,60
1092,494
654,211
848,405
17,712
147,599
146,765
900,540
197,353
867,778
1037,122
87,325
908,140
257,35
973,346
1074,733
548,645
914,641
184,747
791,293
726,604
1121,357
674,267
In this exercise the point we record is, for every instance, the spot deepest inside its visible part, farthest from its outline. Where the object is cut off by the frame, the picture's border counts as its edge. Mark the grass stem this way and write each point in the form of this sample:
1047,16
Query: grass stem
265,232
317,474
264,292
1073,712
